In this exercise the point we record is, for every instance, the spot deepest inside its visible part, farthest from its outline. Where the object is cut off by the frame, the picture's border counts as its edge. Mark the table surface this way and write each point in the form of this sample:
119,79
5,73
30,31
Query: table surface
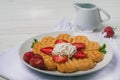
22,19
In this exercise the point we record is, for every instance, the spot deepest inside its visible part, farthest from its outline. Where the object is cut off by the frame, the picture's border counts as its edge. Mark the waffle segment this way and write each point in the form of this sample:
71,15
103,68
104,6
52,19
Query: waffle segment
66,37
92,46
82,39
96,56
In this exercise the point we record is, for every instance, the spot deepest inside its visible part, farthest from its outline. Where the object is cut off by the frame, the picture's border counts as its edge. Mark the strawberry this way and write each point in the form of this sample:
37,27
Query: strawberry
79,46
61,41
79,55
109,34
59,59
27,56
47,50
36,61
109,31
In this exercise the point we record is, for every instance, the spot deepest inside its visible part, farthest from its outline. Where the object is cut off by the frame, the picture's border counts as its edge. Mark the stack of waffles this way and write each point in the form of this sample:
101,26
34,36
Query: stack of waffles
72,65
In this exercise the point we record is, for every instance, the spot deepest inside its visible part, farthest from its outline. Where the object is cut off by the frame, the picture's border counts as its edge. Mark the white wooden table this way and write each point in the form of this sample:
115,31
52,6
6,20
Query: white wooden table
22,19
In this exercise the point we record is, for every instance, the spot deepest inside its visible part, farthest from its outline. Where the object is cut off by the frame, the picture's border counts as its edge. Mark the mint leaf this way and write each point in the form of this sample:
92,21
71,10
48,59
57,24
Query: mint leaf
33,43
103,46
35,40
102,49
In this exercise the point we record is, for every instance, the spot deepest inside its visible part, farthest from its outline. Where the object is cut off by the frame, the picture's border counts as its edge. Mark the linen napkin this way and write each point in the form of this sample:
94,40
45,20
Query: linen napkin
12,67
64,25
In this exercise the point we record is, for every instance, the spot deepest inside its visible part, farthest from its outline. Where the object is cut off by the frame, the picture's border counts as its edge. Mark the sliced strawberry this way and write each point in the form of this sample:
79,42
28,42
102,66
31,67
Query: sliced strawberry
79,46
79,55
47,50
61,41
27,56
36,61
59,59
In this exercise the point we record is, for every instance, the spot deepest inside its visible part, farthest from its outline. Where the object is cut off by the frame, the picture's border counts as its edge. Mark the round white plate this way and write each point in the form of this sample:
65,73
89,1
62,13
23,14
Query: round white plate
26,46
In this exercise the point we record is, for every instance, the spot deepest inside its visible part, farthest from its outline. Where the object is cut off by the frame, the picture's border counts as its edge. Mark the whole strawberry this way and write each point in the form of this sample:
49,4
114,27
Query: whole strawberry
109,31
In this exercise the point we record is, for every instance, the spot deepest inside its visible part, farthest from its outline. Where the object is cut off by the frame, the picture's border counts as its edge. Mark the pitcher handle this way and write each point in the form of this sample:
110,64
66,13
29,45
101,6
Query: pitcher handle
108,16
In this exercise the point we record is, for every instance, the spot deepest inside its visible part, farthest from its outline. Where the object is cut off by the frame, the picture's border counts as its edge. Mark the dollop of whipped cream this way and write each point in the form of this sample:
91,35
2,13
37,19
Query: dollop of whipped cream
64,49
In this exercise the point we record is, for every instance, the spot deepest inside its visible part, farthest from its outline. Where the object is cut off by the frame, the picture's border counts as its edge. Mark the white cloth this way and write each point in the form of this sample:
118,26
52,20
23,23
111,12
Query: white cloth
12,67
64,25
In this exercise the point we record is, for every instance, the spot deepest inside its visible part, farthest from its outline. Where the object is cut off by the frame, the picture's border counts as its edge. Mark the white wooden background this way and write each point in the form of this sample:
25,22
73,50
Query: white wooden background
21,19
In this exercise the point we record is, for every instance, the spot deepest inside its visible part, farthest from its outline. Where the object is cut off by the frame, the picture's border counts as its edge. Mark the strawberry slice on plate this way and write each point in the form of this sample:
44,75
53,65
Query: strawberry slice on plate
79,55
79,46
59,59
36,61
61,41
27,56
47,50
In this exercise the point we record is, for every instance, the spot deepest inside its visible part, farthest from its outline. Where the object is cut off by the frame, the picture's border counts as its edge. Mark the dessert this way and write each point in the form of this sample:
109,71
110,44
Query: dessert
65,53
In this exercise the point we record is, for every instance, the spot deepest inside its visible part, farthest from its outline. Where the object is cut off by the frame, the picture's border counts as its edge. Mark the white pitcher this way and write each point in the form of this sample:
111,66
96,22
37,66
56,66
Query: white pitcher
88,16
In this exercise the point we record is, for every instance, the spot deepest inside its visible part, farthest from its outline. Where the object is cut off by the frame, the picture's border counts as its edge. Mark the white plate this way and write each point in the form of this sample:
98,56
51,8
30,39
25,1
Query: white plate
26,46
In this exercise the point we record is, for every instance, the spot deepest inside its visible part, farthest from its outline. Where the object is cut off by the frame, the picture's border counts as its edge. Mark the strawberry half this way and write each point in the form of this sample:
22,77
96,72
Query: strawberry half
79,55
59,59
27,56
61,41
79,46
47,50
36,61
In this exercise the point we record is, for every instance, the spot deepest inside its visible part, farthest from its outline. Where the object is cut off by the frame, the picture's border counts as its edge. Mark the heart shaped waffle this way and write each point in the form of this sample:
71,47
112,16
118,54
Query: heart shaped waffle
72,64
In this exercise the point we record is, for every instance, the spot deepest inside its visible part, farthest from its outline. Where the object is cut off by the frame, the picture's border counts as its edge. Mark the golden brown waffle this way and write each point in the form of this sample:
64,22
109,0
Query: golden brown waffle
92,46
45,42
72,65
49,64
37,46
66,67
84,64
48,41
65,37
76,65
95,55
82,39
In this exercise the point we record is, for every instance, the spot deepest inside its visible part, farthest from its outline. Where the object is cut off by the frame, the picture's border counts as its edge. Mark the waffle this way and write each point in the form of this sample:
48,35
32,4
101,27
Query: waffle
66,37
82,39
48,41
95,55
92,46
76,65
72,65
45,42
66,67
83,64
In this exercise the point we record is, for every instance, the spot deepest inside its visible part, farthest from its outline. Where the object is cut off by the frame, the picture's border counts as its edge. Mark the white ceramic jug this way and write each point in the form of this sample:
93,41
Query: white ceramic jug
88,16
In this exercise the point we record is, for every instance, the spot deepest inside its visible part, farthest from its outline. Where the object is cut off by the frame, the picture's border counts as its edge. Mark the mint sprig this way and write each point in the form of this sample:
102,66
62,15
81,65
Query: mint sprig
103,49
33,43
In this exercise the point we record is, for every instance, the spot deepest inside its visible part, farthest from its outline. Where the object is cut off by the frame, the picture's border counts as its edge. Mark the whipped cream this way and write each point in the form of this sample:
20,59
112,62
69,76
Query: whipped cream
64,49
